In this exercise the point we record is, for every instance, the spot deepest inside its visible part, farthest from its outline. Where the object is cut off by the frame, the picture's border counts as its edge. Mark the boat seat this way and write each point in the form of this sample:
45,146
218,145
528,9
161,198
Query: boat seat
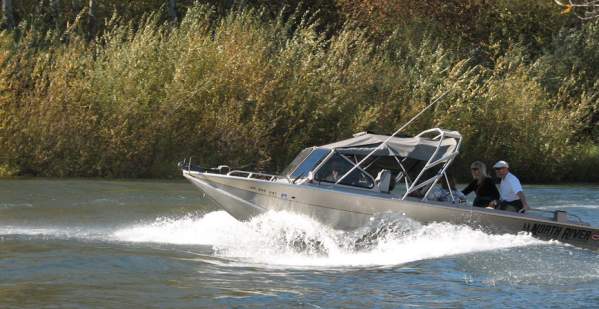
383,181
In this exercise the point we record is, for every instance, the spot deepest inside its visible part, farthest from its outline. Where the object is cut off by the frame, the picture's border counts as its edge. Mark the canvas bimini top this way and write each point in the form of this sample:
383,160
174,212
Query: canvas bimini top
419,147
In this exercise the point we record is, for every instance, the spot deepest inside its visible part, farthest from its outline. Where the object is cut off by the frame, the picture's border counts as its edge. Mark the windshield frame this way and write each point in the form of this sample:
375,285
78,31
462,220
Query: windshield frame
295,163
313,155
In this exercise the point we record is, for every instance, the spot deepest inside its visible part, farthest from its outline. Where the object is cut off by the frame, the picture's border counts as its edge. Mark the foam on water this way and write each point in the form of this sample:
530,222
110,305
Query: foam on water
53,232
188,230
283,238
15,205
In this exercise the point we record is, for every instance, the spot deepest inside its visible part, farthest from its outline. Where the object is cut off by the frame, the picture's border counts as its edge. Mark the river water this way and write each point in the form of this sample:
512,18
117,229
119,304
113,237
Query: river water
161,244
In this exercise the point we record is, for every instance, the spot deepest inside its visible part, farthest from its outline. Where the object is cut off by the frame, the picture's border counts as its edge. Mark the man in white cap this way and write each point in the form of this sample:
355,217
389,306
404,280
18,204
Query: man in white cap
510,190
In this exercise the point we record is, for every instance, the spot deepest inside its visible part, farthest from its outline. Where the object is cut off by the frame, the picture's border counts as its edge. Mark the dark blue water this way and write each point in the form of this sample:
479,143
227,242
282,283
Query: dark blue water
84,243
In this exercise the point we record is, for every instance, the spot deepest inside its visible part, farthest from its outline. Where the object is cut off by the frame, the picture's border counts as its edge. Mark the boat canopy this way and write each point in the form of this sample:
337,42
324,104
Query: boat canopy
419,147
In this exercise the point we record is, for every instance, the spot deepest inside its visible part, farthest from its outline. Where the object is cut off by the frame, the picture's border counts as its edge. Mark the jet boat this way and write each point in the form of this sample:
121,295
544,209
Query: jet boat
346,183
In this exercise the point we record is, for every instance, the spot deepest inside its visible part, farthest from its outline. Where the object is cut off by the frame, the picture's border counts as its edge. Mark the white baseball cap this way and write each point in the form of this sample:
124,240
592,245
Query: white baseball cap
501,164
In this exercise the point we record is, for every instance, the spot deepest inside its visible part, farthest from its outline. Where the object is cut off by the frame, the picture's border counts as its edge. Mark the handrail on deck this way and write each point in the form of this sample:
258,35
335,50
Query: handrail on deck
253,174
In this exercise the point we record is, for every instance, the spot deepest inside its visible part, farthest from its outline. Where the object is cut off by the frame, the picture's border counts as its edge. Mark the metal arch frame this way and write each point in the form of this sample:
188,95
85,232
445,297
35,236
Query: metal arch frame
446,160
403,174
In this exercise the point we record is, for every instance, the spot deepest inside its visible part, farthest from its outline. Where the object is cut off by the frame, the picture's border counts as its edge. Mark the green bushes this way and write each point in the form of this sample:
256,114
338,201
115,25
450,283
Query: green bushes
250,91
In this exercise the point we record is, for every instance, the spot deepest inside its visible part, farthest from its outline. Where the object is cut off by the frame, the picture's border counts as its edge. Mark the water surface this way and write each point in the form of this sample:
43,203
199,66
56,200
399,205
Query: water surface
156,244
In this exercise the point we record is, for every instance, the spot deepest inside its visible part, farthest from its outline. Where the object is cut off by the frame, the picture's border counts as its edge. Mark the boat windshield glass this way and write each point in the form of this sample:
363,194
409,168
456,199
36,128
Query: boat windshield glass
336,167
305,162
298,159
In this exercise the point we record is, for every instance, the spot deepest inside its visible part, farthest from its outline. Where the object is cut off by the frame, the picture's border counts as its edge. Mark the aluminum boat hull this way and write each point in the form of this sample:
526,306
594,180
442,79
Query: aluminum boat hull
348,208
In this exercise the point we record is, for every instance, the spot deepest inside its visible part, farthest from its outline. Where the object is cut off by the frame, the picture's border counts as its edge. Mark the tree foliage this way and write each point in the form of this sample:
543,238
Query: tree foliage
250,84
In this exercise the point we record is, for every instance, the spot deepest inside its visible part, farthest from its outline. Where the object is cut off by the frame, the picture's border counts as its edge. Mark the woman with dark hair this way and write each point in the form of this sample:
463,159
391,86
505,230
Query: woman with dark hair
482,185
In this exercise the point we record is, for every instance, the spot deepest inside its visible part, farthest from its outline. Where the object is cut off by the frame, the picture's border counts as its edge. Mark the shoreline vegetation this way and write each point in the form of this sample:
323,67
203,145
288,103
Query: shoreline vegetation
137,88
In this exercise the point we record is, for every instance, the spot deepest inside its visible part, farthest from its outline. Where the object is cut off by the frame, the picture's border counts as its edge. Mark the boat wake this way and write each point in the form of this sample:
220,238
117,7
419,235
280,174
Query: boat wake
283,238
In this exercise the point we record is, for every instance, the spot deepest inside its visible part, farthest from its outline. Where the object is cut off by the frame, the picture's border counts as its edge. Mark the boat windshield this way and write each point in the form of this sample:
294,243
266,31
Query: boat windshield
336,167
305,161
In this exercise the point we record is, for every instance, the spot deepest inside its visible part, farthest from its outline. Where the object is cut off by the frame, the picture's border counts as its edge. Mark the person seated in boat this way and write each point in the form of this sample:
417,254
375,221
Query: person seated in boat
511,196
334,169
482,185
458,196
334,172
442,193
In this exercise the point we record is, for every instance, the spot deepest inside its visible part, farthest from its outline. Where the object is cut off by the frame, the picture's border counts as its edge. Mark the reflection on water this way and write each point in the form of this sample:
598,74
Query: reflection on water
79,243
